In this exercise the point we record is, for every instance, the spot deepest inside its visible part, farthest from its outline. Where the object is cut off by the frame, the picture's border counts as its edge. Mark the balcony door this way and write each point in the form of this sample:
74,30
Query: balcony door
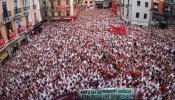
44,4
9,29
15,4
4,8
18,22
26,2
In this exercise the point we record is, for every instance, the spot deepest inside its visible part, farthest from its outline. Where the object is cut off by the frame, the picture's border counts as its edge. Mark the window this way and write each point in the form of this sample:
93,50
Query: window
15,4
59,13
138,3
67,2
68,13
145,16
45,13
58,2
4,9
44,3
167,8
85,2
146,4
9,27
26,2
33,2
18,22
137,15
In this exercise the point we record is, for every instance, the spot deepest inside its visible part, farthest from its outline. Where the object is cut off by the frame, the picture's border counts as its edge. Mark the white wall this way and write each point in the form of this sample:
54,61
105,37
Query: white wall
142,10
133,9
125,10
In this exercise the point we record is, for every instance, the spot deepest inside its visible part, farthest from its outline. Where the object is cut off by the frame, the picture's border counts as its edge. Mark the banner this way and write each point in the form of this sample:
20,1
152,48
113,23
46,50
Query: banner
115,29
68,96
12,35
107,94
114,8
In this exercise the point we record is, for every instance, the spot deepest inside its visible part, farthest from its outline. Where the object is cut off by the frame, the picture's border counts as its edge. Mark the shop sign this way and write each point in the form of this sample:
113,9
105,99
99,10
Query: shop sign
3,56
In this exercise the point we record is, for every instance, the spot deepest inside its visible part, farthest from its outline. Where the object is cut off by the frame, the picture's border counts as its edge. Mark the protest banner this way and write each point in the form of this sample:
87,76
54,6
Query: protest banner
107,94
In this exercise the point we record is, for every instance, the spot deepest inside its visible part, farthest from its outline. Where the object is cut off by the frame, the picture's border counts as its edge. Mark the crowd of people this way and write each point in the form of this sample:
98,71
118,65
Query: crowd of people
67,56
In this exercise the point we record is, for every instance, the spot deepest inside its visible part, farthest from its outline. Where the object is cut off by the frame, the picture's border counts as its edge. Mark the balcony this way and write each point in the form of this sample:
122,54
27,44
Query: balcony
6,14
168,2
67,17
17,10
167,13
2,42
34,6
26,8
12,35
21,29
29,25
155,10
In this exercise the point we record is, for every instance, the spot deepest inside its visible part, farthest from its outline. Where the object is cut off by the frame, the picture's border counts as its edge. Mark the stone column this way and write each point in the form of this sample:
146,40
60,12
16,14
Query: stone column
71,7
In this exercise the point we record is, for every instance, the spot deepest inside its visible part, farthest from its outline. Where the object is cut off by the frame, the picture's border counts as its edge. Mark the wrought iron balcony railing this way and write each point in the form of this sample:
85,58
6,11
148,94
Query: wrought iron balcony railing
17,10
6,14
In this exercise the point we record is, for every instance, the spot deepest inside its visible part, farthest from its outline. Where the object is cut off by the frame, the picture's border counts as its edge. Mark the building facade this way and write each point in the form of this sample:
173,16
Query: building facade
157,13
58,9
18,19
87,4
102,3
135,11
161,13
